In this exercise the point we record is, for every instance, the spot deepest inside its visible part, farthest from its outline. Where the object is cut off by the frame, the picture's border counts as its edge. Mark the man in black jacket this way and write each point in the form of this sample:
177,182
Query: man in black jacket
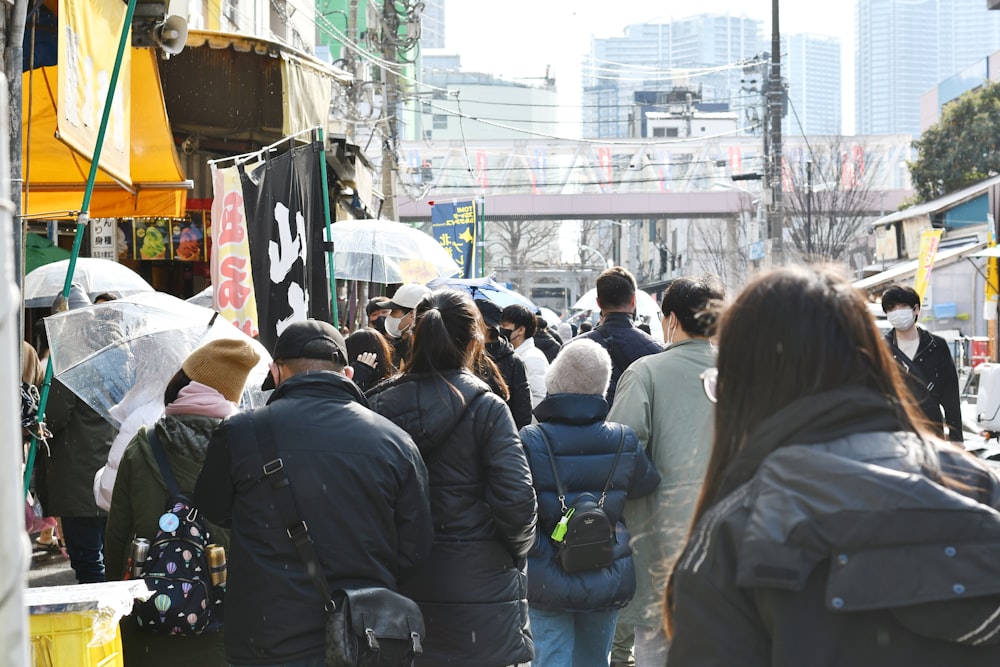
359,484
510,365
926,361
617,332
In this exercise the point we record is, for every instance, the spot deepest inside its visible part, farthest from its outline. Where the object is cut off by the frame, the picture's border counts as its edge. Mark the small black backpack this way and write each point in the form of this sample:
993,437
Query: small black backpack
585,536
176,569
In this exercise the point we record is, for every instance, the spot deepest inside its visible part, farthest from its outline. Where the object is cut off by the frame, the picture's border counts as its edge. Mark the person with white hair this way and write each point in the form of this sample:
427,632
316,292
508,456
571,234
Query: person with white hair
573,613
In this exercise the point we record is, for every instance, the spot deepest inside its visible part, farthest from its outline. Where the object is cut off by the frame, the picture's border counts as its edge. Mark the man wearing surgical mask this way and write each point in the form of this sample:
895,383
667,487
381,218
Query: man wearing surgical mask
925,360
399,321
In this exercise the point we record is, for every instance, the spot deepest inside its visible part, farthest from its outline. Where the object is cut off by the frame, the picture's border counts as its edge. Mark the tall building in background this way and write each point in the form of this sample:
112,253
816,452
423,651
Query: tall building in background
905,47
432,25
810,65
692,53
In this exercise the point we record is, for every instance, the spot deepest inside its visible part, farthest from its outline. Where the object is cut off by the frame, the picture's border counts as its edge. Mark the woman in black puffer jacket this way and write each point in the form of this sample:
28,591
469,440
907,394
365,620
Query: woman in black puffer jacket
472,589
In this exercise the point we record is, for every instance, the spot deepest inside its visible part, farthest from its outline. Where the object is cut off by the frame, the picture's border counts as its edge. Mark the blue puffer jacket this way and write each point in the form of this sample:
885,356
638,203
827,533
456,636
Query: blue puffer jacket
584,446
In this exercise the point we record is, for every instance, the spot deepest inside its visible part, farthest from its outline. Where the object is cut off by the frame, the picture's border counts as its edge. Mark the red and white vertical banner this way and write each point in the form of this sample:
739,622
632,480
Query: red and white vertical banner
232,277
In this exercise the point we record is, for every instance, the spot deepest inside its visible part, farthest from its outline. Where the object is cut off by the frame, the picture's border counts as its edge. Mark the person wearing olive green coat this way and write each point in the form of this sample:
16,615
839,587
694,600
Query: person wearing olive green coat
194,408
661,396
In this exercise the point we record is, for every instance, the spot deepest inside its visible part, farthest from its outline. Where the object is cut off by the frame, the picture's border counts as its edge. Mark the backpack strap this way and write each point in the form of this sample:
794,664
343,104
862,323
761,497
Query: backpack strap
611,475
295,527
555,472
160,455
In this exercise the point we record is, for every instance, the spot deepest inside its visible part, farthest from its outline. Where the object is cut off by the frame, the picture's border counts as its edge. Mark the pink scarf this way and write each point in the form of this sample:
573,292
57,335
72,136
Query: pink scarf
200,399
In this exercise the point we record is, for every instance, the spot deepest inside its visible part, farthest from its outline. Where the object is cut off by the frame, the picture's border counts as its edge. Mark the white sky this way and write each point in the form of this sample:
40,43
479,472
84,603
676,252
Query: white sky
518,38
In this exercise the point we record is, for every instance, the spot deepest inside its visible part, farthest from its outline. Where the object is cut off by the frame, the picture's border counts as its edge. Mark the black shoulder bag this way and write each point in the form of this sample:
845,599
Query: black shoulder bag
365,627
584,537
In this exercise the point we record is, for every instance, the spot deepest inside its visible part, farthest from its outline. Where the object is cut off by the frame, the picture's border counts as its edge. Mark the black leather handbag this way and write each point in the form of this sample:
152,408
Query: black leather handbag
365,627
373,627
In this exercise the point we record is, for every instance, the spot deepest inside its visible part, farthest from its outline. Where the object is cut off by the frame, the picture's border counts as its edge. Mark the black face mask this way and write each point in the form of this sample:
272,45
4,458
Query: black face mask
378,324
506,333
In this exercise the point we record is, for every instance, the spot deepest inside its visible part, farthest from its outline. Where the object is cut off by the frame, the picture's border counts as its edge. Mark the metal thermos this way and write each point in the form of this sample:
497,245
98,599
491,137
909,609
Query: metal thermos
217,564
137,558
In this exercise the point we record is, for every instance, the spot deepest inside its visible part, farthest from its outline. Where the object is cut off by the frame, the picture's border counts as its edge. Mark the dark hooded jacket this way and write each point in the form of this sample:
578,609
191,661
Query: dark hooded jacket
139,498
585,447
359,485
853,543
472,589
933,381
80,444
512,369
547,343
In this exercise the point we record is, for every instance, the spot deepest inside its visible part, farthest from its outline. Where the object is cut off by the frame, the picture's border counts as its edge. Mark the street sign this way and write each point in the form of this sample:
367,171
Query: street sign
756,251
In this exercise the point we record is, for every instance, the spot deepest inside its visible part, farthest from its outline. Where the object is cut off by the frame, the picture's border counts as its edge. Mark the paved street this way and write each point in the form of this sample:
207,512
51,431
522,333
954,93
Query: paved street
49,570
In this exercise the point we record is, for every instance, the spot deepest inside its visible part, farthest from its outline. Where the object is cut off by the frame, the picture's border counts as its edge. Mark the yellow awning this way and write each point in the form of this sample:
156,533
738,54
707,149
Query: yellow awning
56,175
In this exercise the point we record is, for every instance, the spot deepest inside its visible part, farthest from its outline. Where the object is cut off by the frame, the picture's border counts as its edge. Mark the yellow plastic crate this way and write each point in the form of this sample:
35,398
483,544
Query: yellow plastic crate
60,640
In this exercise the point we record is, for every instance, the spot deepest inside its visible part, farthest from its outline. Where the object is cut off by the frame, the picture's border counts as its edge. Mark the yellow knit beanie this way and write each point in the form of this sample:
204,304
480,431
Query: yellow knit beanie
222,364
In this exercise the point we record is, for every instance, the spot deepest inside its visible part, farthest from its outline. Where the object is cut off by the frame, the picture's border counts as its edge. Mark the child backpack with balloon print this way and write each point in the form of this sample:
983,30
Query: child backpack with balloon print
176,570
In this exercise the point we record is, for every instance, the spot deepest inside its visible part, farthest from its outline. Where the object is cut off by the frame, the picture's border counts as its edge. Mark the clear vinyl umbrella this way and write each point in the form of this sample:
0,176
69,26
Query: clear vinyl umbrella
121,354
93,274
385,251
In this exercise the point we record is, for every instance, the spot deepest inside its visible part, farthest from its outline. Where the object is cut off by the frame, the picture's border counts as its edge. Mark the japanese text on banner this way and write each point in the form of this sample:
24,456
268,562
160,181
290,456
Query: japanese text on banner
454,227
231,274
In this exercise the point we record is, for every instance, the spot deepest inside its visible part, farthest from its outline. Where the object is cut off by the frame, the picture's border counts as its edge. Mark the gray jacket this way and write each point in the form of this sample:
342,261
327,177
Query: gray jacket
661,397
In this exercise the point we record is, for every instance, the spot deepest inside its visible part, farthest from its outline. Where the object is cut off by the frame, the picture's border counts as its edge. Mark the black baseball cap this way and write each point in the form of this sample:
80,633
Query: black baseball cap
490,312
378,303
308,339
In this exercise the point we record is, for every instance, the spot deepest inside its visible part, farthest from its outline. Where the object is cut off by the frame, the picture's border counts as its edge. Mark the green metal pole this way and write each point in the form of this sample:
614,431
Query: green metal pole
326,215
81,221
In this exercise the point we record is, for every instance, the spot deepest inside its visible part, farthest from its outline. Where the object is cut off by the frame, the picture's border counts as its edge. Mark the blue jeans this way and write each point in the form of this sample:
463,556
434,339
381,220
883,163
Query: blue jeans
84,537
572,639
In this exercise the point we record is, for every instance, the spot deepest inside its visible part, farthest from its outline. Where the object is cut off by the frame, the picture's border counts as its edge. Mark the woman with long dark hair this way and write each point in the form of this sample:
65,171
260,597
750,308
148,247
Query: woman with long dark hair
472,588
832,528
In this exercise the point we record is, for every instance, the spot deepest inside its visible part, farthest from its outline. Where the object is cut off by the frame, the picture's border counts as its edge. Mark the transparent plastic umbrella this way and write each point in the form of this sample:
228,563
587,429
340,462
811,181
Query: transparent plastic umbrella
121,354
93,274
385,251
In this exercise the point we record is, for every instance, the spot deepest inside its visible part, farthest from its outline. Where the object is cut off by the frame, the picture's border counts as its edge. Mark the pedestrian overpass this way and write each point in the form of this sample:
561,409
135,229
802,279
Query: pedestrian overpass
595,179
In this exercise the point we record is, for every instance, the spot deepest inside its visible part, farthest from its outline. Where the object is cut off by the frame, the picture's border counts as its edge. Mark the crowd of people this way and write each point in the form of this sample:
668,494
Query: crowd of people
782,484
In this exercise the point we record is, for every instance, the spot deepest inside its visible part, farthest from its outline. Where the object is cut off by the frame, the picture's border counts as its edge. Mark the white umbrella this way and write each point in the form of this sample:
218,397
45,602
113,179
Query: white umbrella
93,274
385,251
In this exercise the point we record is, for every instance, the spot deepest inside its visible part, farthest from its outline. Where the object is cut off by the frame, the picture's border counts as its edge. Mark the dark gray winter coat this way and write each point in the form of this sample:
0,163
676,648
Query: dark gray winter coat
845,551
472,589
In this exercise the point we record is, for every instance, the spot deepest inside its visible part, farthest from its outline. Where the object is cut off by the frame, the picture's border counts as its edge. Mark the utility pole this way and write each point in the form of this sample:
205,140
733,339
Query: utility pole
809,209
390,26
775,99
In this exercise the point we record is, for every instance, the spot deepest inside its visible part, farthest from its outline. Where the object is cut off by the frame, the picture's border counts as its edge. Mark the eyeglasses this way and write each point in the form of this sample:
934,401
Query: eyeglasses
710,382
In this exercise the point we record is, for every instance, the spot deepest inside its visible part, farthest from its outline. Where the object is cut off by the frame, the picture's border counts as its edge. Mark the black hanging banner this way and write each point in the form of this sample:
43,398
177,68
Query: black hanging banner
284,209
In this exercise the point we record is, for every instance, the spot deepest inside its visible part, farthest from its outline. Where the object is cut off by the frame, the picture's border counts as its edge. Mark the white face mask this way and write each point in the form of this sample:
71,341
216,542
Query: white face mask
392,326
668,331
901,318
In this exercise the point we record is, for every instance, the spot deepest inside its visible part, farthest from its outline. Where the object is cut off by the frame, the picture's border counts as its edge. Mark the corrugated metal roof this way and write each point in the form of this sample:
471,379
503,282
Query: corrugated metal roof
940,204
261,46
